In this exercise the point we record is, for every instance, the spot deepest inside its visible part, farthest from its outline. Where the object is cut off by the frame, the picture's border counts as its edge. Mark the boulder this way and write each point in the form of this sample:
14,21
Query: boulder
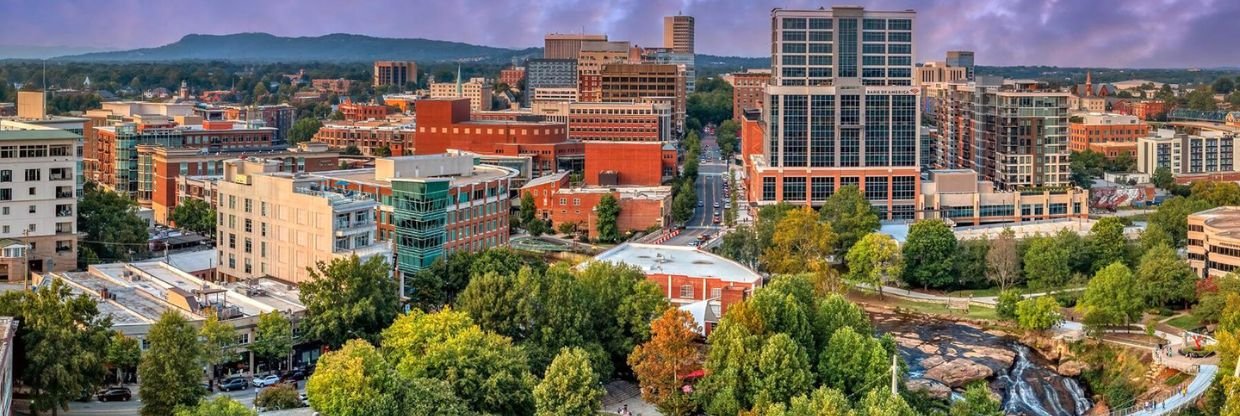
956,372
1005,357
1071,368
933,388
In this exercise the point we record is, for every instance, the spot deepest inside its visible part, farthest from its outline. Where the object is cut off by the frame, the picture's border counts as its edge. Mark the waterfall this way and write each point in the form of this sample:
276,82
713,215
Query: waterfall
1020,393
1078,396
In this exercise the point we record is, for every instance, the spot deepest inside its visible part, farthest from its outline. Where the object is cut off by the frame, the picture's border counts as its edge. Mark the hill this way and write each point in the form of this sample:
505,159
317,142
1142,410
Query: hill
338,47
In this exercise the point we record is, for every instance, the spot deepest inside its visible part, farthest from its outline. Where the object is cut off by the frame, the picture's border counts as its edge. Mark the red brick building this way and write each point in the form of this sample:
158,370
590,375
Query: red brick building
699,282
1109,134
333,86
394,133
1149,110
447,124
629,163
512,76
362,111
748,91
559,202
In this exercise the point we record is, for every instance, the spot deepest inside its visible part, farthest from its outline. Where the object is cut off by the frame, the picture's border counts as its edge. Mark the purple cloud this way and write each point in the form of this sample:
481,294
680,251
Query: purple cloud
1164,33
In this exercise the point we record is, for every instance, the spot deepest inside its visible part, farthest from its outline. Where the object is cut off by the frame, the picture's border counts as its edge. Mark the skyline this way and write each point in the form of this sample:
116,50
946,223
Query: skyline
1171,33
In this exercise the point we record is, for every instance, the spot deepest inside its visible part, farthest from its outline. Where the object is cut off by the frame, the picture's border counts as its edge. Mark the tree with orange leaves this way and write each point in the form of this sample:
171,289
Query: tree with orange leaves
661,364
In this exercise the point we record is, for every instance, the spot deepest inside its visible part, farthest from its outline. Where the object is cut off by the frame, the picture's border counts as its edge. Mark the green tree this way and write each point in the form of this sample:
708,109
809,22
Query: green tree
836,312
728,136
1223,85
171,368
536,227
274,338
783,370
493,302
1046,263
1217,193
1162,178
1153,236
528,209
349,298
219,406
800,243
883,403
969,264
1107,243
928,254
873,261
1111,298
1202,99
622,304
62,341
1164,279
304,129
1005,306
1003,260
570,386
1084,166
1172,216
1213,297
850,216
660,364
684,202
195,215
219,341
1038,314
356,380
742,245
853,363
822,402
608,213
976,402
113,229
123,354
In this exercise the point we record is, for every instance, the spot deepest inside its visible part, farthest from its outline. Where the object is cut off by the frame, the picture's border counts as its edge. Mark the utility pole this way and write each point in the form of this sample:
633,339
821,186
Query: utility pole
895,374
26,259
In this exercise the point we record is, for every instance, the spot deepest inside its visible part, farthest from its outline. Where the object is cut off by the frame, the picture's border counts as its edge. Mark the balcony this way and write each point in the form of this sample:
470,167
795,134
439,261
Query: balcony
62,194
64,212
350,228
64,228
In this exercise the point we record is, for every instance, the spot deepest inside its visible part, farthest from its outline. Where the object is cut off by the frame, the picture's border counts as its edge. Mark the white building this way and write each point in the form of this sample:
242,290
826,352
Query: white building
38,201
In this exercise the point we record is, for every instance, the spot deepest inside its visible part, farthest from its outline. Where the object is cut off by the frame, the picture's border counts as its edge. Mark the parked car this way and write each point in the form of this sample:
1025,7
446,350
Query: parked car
114,394
235,383
305,400
267,380
293,376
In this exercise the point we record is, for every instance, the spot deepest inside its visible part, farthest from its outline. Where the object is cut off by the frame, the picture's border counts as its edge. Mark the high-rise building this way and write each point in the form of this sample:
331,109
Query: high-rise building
396,73
678,33
840,110
934,71
748,91
640,82
38,206
549,73
590,62
961,59
567,45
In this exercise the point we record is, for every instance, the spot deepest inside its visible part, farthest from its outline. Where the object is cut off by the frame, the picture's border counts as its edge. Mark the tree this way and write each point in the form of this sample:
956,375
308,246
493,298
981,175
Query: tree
800,243
1202,99
349,298
728,138
608,214
304,129
570,386
873,261
1162,178
219,406
123,353
1223,85
1153,236
1217,193
853,363
63,339
969,263
977,402
1172,216
356,380
528,209
278,397
660,364
883,403
351,150
218,343
261,93
1164,279
1046,263
536,227
834,313
1038,314
1003,260
683,203
850,216
742,245
928,254
1107,243
108,219
1005,305
195,215
1231,404
382,151
783,370
274,338
493,301
171,368
622,305
1111,298
822,402
1084,166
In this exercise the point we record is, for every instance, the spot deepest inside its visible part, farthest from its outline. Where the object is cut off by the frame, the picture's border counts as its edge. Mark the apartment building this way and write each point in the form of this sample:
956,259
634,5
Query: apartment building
748,90
1109,134
840,110
395,73
279,116
38,203
512,76
477,90
1213,242
445,124
393,133
938,71
1208,153
590,61
362,111
960,196
277,224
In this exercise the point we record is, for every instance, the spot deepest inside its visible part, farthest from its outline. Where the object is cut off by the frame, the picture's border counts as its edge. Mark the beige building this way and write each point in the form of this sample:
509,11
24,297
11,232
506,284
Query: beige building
566,45
1214,241
38,201
397,73
958,195
678,33
477,90
938,71
276,224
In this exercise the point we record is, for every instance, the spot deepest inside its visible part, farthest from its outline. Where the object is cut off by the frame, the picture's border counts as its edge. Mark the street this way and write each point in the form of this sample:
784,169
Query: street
709,188
95,407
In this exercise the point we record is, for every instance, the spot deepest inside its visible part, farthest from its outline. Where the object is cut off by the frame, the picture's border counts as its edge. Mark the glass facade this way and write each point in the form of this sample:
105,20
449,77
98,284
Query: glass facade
419,207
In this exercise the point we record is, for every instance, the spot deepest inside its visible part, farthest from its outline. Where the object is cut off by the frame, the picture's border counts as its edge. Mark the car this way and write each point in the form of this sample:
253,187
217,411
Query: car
235,383
295,375
305,400
266,380
700,203
716,205
717,219
114,394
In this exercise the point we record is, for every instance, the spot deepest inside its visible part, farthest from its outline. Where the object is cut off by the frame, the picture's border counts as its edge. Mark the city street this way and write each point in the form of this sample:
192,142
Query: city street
95,407
709,188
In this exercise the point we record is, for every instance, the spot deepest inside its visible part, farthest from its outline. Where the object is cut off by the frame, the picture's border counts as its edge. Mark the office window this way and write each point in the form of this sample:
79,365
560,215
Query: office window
820,36
794,23
820,23
33,209
794,36
902,187
821,48
874,24
33,175
821,188
686,291
6,175
900,24
848,48
768,188
875,187
794,188
249,205
900,49
248,225
232,240
248,245
873,37
6,194
900,37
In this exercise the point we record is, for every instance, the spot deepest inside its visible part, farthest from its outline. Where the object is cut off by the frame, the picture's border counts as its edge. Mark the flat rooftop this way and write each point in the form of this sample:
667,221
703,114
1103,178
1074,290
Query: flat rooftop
1224,218
366,176
679,260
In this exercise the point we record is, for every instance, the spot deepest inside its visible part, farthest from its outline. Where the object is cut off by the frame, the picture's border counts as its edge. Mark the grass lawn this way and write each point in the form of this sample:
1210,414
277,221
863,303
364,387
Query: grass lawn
977,293
1176,379
975,312
1185,322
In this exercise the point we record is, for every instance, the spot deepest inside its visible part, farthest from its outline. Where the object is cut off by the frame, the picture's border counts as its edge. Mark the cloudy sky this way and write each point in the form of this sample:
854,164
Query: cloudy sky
1111,33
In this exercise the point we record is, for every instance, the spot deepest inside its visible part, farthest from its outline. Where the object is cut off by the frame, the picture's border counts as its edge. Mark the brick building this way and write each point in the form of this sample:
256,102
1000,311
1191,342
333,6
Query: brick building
638,122
512,76
395,133
748,89
280,117
629,163
559,202
337,86
703,284
637,82
1145,110
1109,134
362,111
447,124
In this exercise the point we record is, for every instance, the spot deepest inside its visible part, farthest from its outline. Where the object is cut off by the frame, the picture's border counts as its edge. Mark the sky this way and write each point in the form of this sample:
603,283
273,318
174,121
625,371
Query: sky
1077,33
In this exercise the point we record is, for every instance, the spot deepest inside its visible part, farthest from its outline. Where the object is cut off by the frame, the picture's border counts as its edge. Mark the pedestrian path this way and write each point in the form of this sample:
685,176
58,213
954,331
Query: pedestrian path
1180,399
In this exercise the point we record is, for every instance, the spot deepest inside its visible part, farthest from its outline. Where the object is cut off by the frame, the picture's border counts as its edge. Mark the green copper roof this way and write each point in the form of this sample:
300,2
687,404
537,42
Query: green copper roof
49,134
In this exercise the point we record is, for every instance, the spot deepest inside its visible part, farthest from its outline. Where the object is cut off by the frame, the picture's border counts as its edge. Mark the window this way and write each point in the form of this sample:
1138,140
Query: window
716,293
875,187
33,175
821,188
6,194
248,226
900,24
900,37
32,191
248,205
249,247
820,23
232,240
874,24
768,188
794,23
33,209
686,291
794,188
6,175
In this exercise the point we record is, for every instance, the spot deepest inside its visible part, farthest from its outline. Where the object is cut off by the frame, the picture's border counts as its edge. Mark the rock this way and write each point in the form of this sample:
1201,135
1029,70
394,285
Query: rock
957,372
1005,357
1071,368
931,362
933,388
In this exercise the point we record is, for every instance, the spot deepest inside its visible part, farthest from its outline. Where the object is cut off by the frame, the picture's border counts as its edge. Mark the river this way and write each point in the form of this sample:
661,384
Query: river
952,352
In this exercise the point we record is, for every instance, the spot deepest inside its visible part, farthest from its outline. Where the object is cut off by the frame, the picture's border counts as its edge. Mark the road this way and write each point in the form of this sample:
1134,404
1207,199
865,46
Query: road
94,407
709,188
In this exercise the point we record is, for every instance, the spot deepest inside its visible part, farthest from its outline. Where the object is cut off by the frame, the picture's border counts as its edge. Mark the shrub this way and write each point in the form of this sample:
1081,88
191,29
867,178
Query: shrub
278,397
1006,305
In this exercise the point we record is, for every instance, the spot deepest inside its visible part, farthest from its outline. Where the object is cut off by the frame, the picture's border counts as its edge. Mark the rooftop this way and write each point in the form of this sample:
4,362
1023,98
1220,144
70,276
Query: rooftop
49,134
1226,219
366,176
678,260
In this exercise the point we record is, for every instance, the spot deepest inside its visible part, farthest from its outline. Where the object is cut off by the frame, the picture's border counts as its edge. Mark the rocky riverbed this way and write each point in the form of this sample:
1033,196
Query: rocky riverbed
945,356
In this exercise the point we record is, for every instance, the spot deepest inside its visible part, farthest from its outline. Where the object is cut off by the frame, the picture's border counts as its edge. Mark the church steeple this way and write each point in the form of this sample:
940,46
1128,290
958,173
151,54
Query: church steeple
460,88
1089,85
